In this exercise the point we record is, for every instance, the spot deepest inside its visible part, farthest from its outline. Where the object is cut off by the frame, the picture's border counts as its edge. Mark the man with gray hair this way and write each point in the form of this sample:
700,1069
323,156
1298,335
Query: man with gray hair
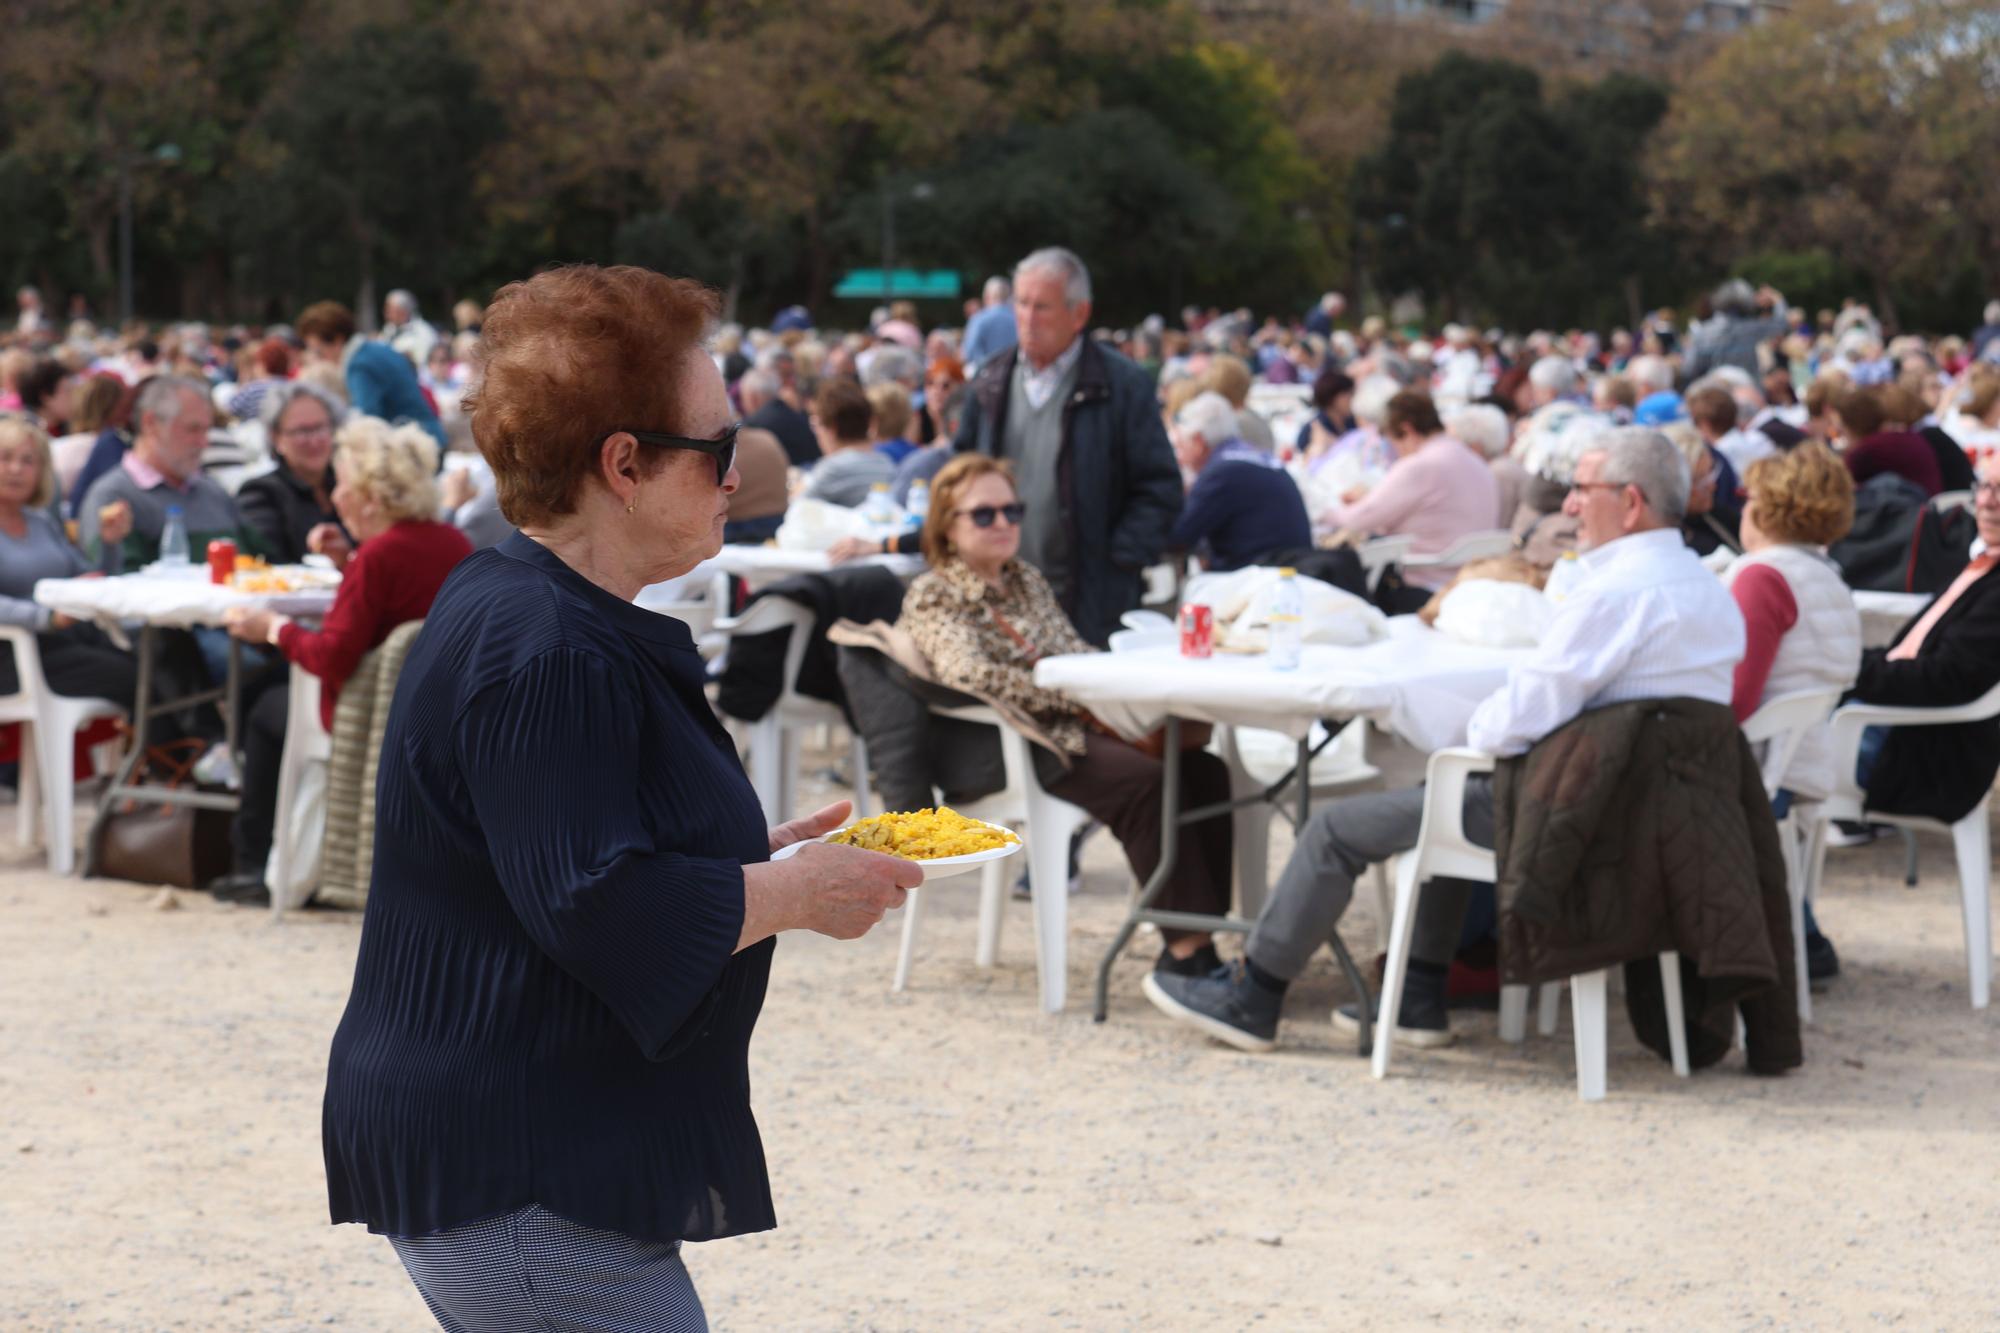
162,471
991,332
1091,459
1241,503
406,330
761,395
1639,619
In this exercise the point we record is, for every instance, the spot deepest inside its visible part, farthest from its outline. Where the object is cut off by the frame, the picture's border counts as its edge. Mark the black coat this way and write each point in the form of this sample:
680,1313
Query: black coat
793,429
1120,484
1939,772
278,510
753,675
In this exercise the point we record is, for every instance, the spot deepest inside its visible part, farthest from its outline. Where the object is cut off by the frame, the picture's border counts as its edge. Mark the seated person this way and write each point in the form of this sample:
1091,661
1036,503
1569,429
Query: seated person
757,505
890,404
1241,504
1871,446
1949,654
1483,428
1332,396
78,661
1711,521
162,471
1437,491
1712,409
288,511
1801,630
387,497
984,618
850,466
1643,620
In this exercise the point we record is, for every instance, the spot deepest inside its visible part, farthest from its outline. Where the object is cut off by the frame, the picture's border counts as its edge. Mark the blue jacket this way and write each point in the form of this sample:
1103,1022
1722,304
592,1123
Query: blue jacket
1242,506
381,383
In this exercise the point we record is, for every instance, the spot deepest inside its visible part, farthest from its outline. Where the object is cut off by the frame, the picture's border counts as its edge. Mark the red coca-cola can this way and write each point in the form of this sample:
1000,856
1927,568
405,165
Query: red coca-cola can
221,560
1197,630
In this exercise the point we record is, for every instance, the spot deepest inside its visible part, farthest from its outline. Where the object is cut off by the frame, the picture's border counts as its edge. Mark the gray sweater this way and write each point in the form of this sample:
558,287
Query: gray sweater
205,507
43,553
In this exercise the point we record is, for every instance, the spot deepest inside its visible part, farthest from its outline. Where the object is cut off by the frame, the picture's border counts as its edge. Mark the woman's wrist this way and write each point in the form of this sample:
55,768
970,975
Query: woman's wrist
275,628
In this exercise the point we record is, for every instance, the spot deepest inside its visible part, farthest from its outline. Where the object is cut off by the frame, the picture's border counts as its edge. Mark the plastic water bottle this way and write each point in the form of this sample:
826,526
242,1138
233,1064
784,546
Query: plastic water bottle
879,512
917,505
1288,622
174,539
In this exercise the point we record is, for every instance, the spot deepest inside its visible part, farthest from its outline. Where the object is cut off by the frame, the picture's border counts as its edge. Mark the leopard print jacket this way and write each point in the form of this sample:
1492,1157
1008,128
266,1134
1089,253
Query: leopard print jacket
961,624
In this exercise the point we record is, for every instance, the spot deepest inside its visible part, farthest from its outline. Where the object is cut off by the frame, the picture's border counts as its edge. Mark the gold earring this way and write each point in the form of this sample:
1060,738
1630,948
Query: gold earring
632,508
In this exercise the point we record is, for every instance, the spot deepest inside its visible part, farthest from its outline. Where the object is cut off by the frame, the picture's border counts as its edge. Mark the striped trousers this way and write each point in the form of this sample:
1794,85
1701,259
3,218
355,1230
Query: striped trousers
530,1271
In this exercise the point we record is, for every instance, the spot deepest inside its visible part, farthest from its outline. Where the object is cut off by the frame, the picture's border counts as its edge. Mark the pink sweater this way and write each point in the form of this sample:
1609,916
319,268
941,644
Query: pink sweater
1440,493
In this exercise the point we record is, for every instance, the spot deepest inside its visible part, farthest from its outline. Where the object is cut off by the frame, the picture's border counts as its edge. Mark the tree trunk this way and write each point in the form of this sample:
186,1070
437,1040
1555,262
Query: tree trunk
1634,312
98,234
364,300
1885,304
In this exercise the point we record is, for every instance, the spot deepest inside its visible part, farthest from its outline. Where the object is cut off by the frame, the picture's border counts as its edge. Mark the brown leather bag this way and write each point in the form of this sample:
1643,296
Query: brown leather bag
153,843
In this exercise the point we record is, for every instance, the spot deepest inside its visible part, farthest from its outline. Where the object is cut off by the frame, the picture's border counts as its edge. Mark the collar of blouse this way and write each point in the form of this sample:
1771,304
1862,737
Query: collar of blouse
960,578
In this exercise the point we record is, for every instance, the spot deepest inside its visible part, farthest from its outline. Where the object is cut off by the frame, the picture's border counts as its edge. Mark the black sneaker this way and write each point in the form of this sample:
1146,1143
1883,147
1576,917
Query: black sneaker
1822,963
1201,963
1847,833
244,886
1420,1020
1227,1006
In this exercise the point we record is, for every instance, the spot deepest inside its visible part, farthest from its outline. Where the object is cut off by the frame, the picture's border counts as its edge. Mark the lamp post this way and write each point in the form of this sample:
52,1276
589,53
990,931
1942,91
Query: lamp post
165,155
922,190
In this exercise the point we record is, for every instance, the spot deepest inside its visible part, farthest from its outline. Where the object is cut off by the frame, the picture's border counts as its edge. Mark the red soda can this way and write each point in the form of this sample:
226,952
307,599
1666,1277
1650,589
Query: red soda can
221,560
1197,629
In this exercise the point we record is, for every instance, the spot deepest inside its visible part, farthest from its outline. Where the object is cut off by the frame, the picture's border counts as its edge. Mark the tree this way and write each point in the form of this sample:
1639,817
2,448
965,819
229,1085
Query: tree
1805,133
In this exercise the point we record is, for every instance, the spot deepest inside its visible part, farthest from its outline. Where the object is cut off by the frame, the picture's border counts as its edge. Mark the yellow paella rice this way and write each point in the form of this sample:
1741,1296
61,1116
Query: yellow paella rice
924,835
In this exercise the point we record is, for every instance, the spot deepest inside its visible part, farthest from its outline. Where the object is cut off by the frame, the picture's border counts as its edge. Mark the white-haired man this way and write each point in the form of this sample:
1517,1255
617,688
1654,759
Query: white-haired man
1642,620
991,332
406,330
1241,503
1553,379
1082,428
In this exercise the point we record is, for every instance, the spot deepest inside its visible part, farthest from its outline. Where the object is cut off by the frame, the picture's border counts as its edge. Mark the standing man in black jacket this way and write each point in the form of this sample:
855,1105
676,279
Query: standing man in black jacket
1082,427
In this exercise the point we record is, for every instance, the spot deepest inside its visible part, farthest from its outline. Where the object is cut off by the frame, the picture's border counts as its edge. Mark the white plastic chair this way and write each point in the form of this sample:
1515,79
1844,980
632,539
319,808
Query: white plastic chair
1969,835
1781,725
1946,501
775,737
1378,553
1443,849
1051,824
1472,546
49,723
292,869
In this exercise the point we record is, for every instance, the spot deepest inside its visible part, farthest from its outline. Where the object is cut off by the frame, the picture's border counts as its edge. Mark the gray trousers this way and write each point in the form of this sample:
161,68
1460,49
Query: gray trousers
1342,839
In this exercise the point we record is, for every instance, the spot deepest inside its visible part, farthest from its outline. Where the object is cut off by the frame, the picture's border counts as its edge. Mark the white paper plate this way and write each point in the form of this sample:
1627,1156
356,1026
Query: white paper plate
944,867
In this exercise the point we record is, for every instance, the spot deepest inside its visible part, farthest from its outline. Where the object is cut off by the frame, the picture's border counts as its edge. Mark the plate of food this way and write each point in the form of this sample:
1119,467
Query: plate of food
942,840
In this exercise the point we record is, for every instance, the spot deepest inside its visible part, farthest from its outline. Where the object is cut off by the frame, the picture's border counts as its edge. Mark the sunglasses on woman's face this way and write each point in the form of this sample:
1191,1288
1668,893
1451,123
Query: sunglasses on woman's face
982,516
722,448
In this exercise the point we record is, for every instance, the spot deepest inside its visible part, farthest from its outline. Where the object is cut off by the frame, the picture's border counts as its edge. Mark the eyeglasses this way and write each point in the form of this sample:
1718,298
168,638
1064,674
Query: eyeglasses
982,516
306,432
722,448
1989,489
1576,486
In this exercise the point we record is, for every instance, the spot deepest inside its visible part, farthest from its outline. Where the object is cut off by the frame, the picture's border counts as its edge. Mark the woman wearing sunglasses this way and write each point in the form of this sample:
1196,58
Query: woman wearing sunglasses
983,618
540,1087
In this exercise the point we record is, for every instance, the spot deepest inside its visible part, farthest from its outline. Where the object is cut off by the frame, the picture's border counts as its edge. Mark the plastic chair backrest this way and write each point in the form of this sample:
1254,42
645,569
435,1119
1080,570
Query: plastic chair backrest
1442,842
30,688
1946,501
1783,722
1472,546
771,613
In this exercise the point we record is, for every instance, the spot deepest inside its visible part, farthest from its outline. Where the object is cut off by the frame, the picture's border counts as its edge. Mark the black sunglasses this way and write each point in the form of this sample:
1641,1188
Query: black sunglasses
722,448
983,515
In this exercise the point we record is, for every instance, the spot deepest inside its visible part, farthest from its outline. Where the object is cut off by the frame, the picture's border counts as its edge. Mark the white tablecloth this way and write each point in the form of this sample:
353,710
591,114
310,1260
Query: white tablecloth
1417,683
1883,613
172,602
763,564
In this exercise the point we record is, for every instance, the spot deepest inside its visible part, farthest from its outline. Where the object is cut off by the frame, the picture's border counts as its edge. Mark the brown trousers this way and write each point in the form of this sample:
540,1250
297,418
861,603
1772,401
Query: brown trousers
1120,787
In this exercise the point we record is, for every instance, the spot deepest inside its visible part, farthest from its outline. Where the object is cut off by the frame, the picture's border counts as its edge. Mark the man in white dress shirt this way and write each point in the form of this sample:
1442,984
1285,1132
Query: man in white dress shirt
1638,618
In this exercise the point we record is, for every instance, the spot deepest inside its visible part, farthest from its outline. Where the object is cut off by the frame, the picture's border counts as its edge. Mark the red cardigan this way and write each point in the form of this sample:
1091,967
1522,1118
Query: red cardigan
392,578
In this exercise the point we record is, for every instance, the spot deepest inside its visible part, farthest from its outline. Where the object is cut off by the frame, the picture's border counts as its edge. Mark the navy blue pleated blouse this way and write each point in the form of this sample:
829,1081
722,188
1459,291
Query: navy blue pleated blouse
547,1007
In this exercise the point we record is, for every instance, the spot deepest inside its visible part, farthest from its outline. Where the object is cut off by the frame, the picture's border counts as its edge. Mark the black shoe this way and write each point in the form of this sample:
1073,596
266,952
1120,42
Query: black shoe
1421,1019
1201,963
1847,833
1227,1006
244,886
1822,963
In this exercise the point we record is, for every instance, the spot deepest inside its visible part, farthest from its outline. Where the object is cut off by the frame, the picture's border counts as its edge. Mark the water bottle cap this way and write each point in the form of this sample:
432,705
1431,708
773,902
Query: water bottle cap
173,511
1286,572
879,486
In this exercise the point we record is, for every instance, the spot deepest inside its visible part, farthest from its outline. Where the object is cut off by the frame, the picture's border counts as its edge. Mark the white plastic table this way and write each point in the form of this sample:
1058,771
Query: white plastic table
1417,682
765,564
162,601
1883,613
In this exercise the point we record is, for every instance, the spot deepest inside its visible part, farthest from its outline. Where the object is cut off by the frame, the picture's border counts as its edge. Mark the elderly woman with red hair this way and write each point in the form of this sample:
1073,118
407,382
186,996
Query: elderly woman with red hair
540,1087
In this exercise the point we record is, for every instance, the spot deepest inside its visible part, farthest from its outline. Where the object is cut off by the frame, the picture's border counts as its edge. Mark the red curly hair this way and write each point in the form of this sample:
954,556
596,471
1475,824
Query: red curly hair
568,357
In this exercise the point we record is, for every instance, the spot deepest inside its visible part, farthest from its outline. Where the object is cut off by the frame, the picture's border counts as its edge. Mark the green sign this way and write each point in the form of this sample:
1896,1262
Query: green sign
865,284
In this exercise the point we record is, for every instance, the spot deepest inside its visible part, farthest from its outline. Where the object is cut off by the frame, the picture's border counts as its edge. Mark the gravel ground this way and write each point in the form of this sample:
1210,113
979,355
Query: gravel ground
950,1158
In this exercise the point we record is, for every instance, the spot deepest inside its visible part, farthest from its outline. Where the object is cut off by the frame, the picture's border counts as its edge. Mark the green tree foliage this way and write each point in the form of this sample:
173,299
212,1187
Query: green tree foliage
1497,203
